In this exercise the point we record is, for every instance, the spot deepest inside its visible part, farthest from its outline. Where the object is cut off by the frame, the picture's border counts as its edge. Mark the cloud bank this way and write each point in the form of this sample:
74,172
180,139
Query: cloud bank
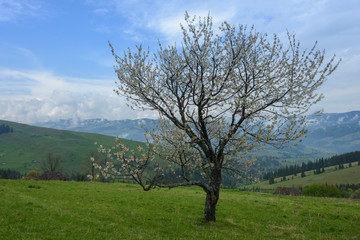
45,96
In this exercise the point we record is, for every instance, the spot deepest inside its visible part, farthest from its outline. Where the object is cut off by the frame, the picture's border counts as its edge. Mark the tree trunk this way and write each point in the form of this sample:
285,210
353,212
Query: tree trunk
210,205
212,196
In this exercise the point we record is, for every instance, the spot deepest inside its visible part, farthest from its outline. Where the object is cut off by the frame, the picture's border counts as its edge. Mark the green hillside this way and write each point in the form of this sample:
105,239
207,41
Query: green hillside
25,147
331,176
91,210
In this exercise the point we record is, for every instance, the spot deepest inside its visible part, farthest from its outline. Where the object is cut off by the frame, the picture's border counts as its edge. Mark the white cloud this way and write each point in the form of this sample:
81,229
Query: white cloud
310,20
319,18
12,9
41,83
49,97
101,11
164,17
340,99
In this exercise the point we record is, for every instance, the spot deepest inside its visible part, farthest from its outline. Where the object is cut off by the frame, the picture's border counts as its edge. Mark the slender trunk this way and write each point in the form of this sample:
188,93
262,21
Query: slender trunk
212,196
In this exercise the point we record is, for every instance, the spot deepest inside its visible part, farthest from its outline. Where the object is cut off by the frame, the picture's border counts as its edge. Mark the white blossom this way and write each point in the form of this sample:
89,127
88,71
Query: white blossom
219,97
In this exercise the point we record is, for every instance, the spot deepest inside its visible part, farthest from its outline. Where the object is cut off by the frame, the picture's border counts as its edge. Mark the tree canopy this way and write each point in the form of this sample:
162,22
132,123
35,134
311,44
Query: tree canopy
219,96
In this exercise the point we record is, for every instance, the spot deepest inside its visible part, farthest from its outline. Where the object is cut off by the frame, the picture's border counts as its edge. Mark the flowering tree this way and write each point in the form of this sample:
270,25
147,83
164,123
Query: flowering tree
219,97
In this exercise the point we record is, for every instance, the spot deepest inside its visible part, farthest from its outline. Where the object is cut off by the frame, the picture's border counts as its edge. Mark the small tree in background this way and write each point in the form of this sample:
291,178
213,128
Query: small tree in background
271,180
51,168
219,97
51,163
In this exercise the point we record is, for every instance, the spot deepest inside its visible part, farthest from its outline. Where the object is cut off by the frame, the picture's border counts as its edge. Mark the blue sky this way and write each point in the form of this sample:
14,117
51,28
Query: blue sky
55,62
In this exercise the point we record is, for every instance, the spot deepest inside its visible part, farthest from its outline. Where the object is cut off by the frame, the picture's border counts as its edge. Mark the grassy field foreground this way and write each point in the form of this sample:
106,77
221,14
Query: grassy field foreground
88,210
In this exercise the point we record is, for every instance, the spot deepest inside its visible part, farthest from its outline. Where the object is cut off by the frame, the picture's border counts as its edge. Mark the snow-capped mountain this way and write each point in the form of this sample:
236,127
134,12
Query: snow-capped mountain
329,132
335,119
335,132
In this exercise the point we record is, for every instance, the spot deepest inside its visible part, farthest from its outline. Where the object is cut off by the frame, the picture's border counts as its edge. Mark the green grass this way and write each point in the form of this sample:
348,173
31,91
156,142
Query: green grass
331,176
26,147
89,210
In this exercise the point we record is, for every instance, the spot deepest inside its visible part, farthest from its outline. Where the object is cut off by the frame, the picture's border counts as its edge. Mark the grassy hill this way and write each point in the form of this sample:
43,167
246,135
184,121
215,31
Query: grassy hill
331,176
26,147
90,210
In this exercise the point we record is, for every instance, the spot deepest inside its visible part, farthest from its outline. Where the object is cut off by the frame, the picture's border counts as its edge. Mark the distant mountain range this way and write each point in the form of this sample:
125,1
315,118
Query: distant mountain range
335,119
129,129
330,132
335,132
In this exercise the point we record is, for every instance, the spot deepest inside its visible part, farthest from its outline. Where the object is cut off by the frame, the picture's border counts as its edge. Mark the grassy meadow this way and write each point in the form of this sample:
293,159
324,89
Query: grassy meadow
92,210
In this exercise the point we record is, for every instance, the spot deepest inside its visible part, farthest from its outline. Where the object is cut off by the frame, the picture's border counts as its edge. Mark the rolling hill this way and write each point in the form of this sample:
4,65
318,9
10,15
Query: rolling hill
331,176
25,147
